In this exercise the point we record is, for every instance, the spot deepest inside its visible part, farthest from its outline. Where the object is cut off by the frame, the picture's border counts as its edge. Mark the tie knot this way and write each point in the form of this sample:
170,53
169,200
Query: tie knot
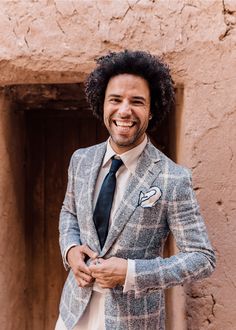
115,165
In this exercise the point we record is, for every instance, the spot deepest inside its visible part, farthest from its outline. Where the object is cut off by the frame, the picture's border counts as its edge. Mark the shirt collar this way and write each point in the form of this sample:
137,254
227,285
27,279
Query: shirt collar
129,157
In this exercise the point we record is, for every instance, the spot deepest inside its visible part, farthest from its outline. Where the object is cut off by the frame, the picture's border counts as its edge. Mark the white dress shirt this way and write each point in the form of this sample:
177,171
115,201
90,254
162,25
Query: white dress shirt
93,317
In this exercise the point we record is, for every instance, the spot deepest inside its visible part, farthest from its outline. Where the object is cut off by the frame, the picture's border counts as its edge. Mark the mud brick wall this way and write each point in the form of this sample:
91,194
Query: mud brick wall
57,42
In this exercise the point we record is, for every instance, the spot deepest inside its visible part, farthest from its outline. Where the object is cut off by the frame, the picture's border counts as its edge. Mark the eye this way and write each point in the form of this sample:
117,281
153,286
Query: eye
114,100
137,102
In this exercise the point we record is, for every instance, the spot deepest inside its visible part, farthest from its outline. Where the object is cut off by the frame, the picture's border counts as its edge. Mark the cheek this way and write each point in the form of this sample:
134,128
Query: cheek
107,119
145,120
107,111
105,116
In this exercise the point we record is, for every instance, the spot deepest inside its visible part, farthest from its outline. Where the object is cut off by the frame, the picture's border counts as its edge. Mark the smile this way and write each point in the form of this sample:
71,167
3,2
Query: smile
124,123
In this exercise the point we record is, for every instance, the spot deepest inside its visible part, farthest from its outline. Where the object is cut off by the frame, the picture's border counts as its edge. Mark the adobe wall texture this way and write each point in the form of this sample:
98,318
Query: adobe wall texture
57,41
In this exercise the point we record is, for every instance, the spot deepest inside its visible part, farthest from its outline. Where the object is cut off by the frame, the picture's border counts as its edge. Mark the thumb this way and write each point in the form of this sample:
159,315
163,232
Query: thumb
86,250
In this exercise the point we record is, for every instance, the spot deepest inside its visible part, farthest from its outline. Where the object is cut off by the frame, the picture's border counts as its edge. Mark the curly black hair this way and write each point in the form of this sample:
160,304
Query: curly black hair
138,63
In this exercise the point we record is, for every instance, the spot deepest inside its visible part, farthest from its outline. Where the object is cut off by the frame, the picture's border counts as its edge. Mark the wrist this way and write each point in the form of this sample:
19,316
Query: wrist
124,271
66,253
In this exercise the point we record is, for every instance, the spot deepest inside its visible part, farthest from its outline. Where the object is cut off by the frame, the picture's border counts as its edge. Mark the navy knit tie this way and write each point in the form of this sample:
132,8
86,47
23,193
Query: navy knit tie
103,206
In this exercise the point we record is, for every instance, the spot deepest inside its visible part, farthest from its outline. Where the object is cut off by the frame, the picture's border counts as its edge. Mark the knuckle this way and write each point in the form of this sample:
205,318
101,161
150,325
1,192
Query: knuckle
77,272
80,248
83,284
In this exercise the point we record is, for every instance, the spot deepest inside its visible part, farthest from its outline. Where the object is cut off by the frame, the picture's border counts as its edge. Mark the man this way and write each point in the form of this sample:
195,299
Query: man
123,198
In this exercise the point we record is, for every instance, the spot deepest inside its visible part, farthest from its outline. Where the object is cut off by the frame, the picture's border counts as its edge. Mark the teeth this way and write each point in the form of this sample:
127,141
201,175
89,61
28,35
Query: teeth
126,124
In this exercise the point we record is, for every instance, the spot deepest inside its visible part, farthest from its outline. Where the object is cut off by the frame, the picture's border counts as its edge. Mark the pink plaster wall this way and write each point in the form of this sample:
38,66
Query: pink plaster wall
57,41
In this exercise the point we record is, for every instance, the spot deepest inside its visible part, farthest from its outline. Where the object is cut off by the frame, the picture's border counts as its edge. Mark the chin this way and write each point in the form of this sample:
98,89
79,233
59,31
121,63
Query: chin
123,142
119,139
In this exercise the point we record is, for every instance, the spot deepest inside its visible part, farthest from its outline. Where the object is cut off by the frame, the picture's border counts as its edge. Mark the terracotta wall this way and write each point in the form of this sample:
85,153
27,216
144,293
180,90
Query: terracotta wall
57,41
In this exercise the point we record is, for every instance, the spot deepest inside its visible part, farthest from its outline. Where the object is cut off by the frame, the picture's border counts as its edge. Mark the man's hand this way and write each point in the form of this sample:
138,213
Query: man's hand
76,257
108,273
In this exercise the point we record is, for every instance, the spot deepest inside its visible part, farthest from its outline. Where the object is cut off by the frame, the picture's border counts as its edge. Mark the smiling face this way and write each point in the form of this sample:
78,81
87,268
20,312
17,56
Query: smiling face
126,111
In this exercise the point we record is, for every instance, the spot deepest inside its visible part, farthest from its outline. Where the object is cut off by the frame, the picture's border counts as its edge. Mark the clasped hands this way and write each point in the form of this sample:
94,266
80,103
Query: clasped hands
108,273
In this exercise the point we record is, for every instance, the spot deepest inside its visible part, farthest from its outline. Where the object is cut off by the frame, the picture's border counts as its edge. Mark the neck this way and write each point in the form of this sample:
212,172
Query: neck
119,149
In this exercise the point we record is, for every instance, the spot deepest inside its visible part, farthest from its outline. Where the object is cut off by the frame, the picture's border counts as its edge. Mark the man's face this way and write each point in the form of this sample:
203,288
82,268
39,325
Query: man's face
126,111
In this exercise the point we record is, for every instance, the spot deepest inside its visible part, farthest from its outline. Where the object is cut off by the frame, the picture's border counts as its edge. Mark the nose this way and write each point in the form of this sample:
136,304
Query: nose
124,109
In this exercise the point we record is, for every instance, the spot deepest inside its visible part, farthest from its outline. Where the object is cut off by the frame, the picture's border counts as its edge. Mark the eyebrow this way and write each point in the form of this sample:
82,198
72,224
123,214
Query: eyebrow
141,98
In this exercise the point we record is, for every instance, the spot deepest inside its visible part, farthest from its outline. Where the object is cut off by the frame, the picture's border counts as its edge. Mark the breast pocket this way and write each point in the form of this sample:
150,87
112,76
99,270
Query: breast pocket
145,229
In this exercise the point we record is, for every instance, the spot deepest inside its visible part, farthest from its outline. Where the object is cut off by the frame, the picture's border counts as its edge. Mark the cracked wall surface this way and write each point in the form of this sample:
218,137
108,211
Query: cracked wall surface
56,41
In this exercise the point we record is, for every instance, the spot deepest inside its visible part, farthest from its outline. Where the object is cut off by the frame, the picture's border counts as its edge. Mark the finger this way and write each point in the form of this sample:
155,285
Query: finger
95,269
104,284
96,265
100,276
82,283
86,250
84,277
81,267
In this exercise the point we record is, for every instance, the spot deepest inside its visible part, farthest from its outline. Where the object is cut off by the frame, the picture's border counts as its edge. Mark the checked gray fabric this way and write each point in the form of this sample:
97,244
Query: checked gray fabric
103,206
137,233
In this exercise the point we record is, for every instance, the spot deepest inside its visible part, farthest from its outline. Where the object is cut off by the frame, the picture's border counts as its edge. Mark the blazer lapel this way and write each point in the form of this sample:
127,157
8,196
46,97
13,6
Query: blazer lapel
146,172
92,166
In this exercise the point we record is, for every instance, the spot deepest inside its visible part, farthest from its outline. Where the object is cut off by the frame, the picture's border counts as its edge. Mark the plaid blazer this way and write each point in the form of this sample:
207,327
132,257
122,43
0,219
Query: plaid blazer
137,233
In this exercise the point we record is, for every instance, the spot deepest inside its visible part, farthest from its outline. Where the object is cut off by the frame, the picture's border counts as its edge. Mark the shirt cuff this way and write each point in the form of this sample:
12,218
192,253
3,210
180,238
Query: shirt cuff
66,252
129,279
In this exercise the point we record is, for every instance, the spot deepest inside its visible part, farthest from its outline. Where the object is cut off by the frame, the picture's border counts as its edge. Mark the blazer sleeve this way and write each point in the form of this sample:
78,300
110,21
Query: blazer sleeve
68,223
196,258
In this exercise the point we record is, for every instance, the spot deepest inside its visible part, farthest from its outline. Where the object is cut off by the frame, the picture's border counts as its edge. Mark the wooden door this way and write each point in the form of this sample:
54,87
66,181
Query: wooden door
52,136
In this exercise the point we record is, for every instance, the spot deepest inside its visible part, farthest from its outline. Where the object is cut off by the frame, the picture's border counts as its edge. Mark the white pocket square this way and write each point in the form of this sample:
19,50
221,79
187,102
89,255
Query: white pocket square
150,197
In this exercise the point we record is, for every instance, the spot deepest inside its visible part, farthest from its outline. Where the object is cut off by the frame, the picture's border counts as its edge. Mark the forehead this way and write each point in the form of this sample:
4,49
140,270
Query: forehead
128,83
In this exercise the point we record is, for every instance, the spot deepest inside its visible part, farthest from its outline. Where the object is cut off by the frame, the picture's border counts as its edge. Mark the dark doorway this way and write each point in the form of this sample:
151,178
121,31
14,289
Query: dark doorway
51,139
